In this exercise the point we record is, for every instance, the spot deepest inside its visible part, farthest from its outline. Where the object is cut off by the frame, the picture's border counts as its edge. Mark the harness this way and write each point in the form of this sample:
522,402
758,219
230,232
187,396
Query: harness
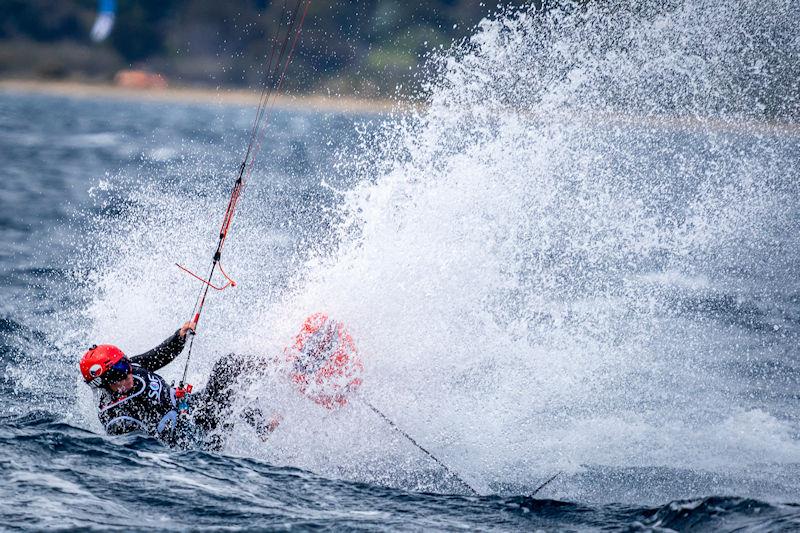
134,412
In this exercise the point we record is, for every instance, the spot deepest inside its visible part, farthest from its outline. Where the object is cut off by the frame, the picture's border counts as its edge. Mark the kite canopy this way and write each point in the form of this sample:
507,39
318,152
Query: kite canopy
104,22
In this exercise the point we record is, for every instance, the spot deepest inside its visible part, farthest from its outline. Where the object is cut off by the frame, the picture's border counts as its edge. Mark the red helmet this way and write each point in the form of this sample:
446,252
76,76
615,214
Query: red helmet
104,364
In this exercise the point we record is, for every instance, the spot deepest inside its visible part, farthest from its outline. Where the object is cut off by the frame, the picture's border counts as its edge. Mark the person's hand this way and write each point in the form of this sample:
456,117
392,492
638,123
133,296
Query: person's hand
187,327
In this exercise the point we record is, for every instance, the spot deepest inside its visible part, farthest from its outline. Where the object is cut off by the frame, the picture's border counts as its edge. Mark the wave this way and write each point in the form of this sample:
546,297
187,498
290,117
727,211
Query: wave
721,513
504,266
132,483
496,259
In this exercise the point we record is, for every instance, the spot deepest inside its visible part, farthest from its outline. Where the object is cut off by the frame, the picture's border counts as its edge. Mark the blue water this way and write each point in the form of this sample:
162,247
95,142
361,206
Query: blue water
586,267
58,474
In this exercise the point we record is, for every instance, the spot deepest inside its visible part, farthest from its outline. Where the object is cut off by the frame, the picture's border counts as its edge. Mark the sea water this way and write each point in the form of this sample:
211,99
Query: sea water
579,256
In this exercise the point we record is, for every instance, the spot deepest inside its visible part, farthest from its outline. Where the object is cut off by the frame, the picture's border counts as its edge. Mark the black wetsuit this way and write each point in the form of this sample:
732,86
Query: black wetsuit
150,407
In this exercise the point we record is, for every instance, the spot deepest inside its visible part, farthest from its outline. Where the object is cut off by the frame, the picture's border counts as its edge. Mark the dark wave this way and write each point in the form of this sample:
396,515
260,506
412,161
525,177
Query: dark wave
9,325
728,309
720,513
56,474
15,336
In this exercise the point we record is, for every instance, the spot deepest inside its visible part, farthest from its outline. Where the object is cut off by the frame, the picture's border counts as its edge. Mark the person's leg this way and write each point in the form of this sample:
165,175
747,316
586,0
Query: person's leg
212,405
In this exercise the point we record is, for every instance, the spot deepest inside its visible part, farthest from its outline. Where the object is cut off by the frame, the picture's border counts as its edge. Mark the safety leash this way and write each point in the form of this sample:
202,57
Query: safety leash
410,439
543,485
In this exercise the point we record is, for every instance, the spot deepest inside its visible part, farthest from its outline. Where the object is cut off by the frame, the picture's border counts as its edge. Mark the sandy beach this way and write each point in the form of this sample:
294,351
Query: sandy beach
348,104
221,96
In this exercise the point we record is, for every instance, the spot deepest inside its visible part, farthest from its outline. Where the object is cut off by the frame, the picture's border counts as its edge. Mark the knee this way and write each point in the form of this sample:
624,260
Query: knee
231,366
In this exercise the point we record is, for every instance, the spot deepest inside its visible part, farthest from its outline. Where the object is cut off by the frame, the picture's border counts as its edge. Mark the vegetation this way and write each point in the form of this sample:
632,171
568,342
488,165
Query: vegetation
364,47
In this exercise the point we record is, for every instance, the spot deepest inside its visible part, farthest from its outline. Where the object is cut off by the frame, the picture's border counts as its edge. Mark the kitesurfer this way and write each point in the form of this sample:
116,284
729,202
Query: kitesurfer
136,399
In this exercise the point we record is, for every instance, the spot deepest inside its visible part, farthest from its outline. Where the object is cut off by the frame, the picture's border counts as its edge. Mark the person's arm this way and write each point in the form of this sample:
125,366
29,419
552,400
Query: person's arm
164,353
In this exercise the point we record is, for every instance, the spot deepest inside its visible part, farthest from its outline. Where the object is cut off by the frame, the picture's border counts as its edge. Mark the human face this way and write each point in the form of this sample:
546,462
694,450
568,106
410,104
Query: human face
123,385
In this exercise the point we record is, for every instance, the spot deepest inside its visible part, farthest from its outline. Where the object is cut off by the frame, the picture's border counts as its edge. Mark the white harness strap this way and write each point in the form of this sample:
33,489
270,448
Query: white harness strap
170,418
125,399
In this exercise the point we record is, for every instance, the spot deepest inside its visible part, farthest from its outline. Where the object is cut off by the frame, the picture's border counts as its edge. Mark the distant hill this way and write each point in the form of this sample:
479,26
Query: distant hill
362,47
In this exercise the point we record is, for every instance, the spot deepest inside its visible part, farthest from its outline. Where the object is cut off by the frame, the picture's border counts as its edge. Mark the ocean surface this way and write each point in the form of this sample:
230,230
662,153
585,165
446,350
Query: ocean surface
581,258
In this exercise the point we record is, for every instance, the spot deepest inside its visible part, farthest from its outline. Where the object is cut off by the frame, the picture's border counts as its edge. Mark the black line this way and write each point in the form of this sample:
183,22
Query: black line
415,443
543,485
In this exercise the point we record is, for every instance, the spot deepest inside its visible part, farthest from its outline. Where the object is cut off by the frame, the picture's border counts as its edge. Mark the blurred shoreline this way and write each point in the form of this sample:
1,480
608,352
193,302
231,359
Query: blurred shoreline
349,104
220,96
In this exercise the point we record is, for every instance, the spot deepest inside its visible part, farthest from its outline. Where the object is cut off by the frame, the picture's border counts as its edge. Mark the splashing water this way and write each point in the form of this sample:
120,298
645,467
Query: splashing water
580,255
519,273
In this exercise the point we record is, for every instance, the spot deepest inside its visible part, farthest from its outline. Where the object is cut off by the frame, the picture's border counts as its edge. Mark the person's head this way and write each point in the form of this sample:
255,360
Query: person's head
106,366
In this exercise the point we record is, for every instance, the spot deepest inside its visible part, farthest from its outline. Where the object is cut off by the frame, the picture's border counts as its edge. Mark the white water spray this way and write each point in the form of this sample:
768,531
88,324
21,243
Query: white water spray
519,261
512,271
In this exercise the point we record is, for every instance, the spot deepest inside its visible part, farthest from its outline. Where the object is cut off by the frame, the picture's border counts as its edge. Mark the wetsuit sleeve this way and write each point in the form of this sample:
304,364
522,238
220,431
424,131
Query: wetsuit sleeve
161,355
